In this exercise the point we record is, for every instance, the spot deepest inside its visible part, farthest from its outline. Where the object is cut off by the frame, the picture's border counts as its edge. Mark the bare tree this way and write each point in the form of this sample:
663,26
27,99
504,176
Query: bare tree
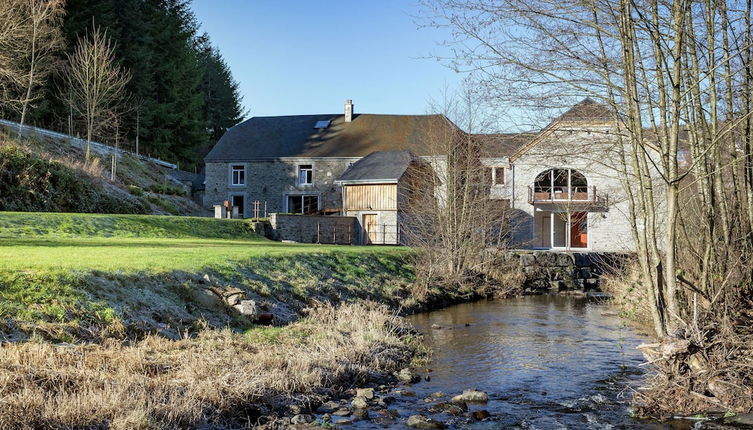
96,82
43,38
450,218
13,23
677,74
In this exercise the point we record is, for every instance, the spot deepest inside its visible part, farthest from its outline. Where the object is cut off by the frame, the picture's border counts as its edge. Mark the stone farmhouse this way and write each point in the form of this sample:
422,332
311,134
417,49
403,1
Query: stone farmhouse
562,183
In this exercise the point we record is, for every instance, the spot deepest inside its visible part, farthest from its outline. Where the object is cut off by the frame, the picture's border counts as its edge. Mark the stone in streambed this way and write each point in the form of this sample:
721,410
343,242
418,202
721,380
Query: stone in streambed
359,403
361,414
366,393
450,408
302,419
389,413
480,415
407,376
421,422
342,412
473,396
328,407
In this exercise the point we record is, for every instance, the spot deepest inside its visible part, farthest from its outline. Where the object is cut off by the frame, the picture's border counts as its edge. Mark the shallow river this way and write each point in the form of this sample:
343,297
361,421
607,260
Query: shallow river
547,362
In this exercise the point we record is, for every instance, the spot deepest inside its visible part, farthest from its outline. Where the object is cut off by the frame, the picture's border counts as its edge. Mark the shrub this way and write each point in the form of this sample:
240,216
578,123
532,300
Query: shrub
29,183
135,190
164,204
167,190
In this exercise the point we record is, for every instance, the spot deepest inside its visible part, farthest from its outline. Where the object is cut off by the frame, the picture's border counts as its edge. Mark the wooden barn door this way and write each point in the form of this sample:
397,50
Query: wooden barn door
370,229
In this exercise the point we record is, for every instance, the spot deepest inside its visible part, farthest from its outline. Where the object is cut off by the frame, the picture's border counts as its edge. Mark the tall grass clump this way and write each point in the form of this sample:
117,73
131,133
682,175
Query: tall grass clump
217,378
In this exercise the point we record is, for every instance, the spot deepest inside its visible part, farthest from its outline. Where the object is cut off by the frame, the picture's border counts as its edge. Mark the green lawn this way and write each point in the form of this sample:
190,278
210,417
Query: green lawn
69,225
132,243
137,254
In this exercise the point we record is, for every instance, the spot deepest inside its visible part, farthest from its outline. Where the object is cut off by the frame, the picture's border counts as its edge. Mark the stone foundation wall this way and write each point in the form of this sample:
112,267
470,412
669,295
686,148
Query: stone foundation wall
553,272
341,230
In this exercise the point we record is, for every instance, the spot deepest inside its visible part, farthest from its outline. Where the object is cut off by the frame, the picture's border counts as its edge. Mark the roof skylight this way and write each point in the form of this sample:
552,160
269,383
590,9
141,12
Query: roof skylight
322,124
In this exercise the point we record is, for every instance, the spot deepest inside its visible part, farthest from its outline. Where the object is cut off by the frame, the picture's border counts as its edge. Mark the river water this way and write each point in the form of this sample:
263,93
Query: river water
547,362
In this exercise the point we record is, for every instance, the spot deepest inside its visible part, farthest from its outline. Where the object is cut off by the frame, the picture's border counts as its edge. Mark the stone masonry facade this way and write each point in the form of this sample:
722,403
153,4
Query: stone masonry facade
271,181
341,230
558,272
592,151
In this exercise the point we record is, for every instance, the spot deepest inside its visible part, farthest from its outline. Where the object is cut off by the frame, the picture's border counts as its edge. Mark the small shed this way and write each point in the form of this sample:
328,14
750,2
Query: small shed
374,190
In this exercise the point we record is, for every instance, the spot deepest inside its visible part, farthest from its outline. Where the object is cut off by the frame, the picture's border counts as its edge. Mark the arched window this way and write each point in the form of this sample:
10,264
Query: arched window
560,184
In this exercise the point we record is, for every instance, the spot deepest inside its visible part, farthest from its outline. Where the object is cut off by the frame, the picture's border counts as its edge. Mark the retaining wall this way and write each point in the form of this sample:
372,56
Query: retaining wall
328,229
547,271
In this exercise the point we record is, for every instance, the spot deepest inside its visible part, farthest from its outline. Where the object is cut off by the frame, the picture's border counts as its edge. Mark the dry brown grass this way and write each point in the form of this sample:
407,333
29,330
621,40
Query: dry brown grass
628,292
218,377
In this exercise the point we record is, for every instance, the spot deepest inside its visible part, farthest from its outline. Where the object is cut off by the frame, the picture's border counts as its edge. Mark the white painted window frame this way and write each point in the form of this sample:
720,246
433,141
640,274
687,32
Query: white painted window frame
231,169
568,245
494,175
298,174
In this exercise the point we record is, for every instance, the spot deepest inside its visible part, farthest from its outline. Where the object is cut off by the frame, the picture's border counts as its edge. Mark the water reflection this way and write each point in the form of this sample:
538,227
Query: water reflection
547,362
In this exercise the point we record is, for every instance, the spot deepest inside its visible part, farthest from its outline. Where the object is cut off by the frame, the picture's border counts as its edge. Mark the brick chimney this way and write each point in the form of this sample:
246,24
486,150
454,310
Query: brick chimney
348,110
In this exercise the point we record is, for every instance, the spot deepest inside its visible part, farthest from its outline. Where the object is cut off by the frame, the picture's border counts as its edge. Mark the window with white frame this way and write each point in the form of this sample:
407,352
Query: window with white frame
305,174
238,174
498,175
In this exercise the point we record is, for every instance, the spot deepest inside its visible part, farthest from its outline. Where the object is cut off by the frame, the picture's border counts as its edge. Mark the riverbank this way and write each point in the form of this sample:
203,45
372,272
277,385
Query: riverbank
196,318
702,371
215,379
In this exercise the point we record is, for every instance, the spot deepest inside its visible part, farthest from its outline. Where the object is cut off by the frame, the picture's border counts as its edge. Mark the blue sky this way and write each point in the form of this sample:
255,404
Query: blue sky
306,57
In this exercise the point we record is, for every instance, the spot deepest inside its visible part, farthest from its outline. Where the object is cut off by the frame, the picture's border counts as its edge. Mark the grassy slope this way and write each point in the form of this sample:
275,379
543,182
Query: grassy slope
48,175
63,275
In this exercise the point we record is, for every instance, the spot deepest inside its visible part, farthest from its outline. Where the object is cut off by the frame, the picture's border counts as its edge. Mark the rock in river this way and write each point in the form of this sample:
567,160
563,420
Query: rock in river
359,403
342,412
302,419
480,415
421,422
361,414
406,375
472,396
366,393
328,407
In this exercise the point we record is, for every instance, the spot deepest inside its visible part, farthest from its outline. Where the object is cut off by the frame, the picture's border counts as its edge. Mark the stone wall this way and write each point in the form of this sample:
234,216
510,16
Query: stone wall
554,272
314,229
271,181
592,150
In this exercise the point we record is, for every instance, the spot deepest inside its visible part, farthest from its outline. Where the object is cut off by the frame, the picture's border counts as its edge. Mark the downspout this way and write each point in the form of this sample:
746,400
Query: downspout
512,169
342,199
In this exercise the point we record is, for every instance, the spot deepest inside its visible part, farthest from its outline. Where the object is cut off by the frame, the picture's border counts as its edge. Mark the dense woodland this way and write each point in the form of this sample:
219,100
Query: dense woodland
180,95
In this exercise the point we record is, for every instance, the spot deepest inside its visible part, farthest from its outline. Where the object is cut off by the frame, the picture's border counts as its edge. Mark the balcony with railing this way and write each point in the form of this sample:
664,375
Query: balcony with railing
564,194
565,186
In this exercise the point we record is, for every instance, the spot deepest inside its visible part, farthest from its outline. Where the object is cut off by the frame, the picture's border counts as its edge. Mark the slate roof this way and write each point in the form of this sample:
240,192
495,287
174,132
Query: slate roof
503,144
587,110
295,136
181,175
382,166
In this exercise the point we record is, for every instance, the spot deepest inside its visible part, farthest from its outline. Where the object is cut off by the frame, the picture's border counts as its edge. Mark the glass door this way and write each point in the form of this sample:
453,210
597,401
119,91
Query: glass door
566,230
559,230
